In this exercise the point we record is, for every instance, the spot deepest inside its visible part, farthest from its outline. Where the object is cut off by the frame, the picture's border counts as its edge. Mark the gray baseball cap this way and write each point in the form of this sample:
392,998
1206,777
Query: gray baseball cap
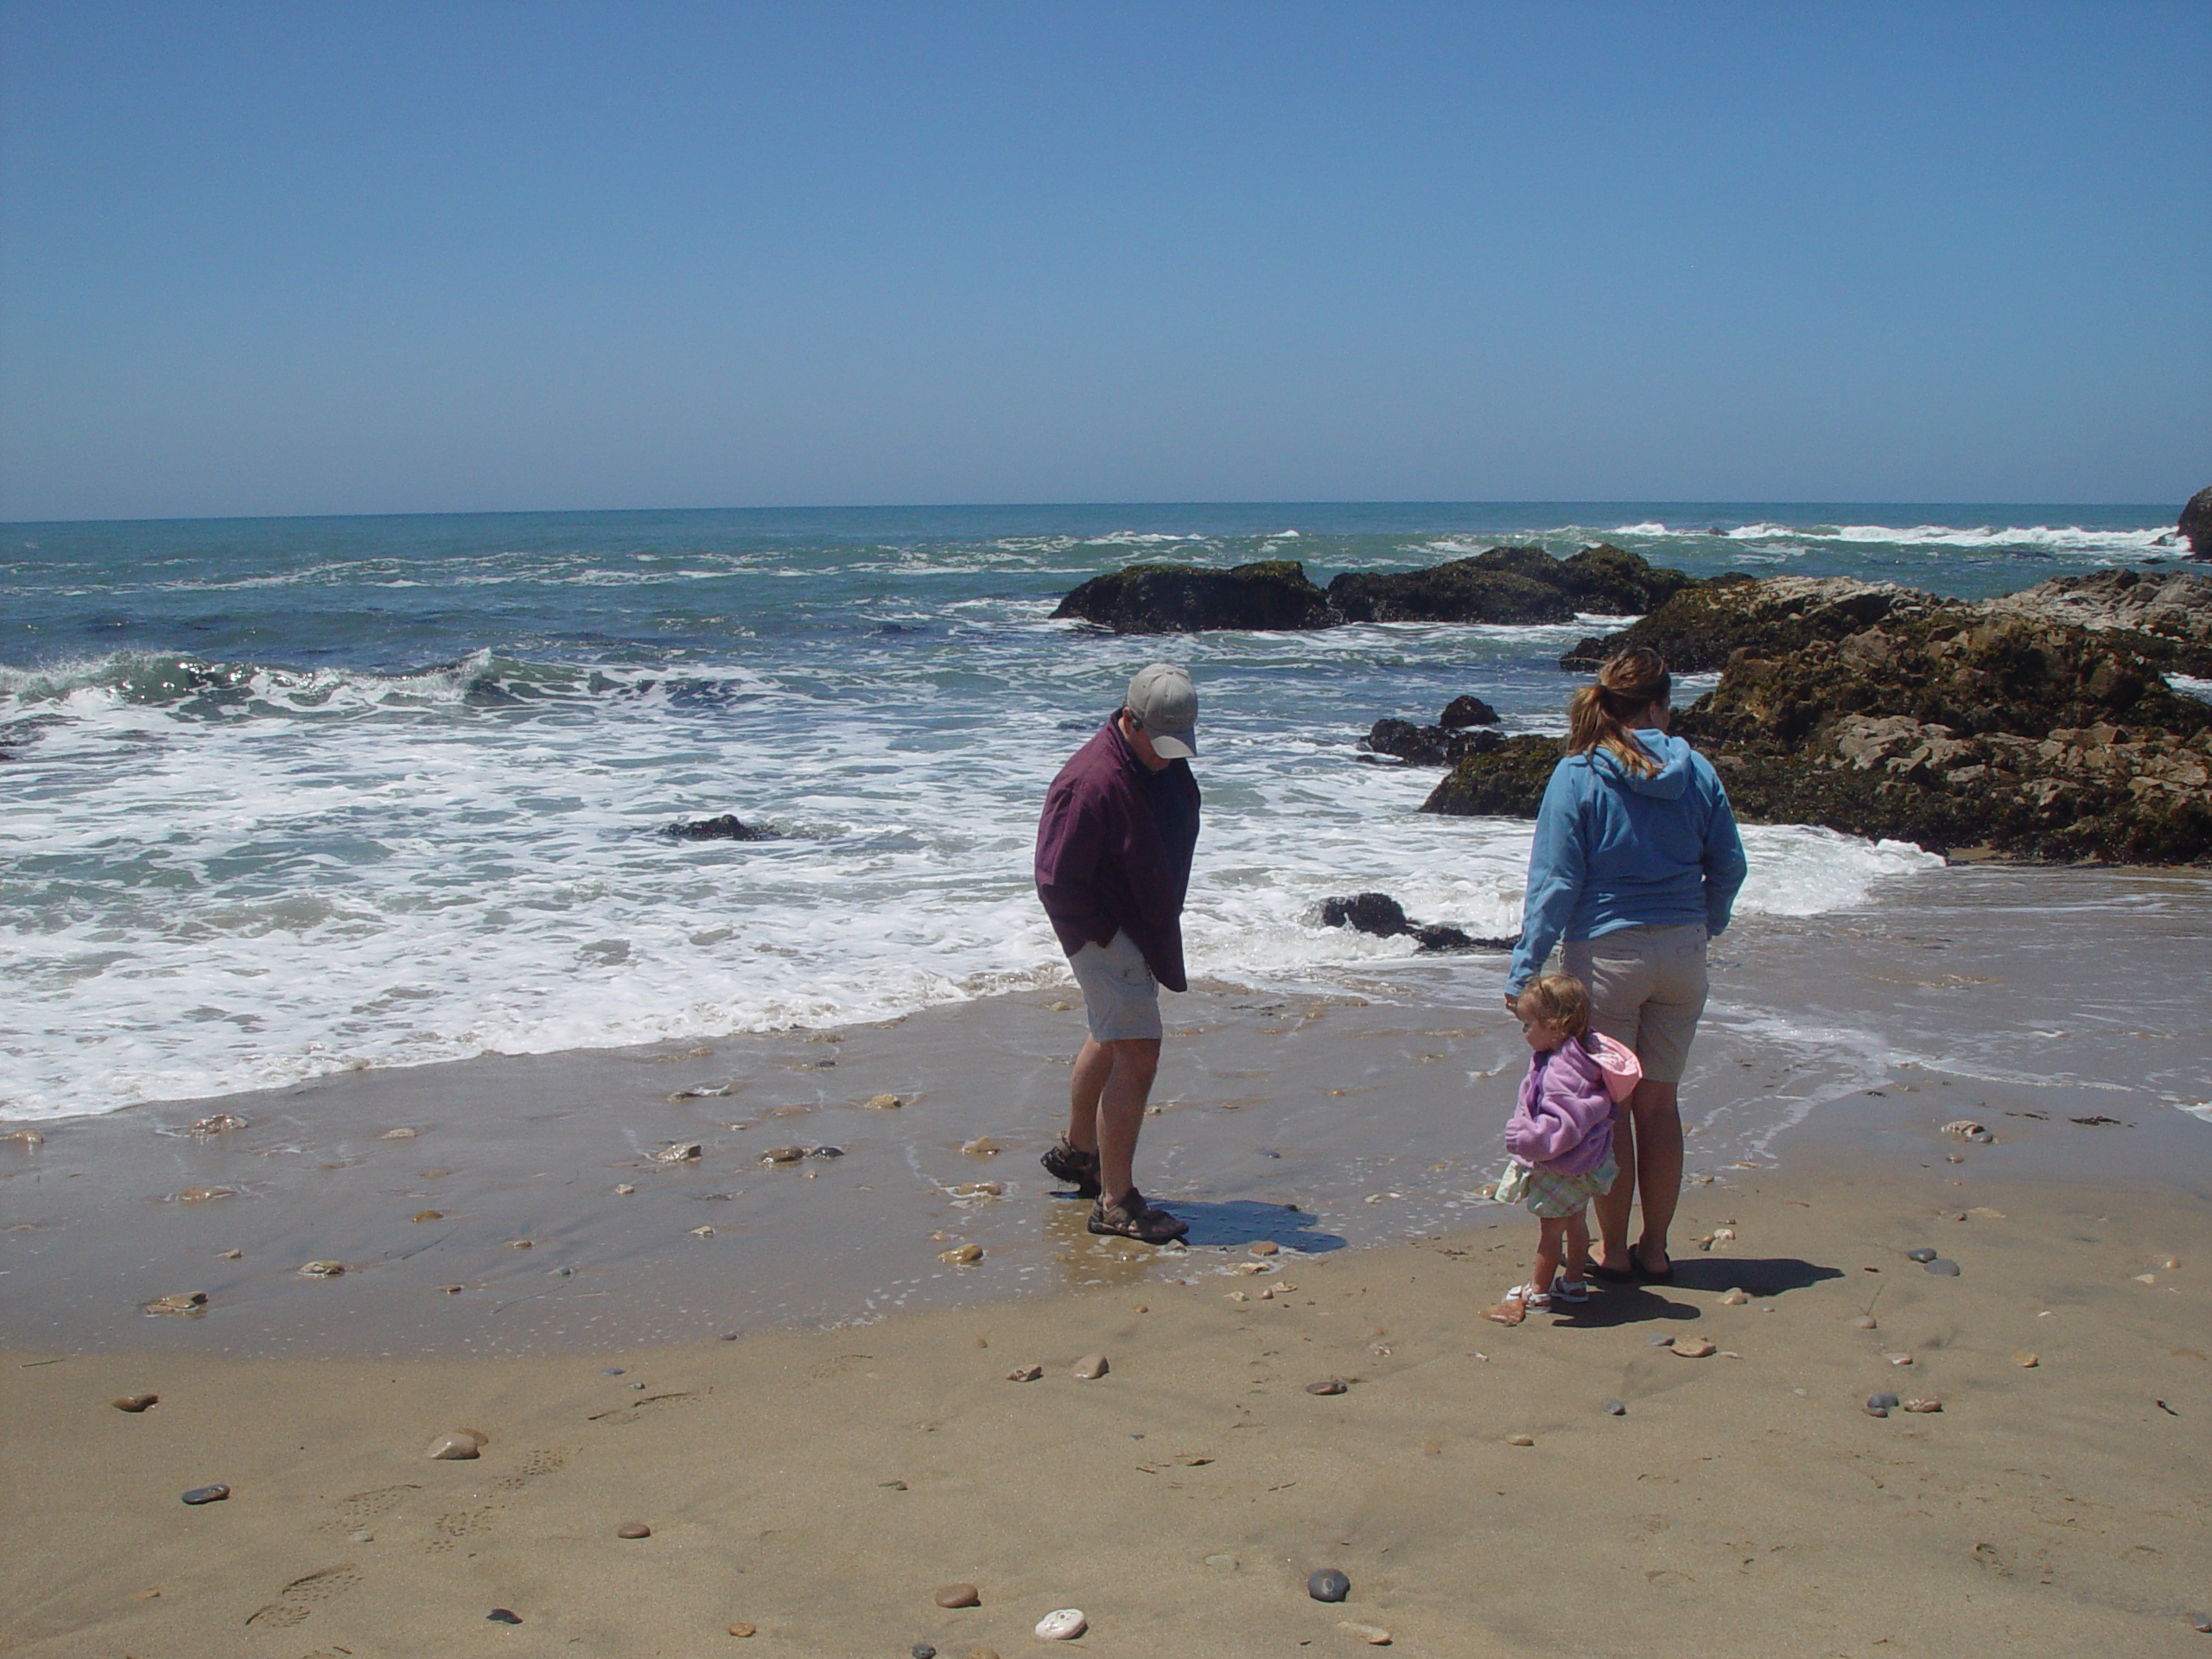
1166,704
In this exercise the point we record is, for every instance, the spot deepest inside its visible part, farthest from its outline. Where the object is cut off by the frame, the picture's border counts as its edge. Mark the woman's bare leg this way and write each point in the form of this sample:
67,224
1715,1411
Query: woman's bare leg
1613,1203
1655,1108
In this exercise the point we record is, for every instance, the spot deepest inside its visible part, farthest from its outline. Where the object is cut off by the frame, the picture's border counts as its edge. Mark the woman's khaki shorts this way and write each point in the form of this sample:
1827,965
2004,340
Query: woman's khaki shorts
1647,988
1119,997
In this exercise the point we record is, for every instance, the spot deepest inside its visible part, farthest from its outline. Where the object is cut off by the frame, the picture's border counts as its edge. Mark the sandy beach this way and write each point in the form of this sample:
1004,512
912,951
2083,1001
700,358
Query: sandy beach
814,1416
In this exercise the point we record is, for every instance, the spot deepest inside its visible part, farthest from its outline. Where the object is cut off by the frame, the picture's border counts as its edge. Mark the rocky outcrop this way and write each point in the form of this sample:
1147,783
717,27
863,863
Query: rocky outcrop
1426,746
1957,726
1521,585
1381,915
1466,711
2197,523
1697,629
2166,616
1272,594
728,827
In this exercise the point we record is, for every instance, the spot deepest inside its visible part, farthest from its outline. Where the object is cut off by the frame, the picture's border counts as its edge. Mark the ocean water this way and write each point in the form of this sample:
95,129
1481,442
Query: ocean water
291,797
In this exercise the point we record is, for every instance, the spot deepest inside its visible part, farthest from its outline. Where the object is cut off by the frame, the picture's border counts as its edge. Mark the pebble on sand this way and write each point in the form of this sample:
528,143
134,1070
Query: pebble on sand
221,1123
959,1595
2026,1361
321,1269
962,1255
783,1154
882,1104
1924,1254
1925,1403
633,1529
215,1494
135,1402
1090,1368
982,1146
741,1629
1327,1385
230,1255
1025,1374
24,1137
1264,1246
1520,1440
1615,1409
1865,1322
921,1650
1327,1584
680,1152
206,1194
1941,1267
1692,1347
979,1189
982,1653
1735,1299
1374,1634
1062,1624
428,1214
1899,1359
186,1302
504,1615
702,1232
456,1447
396,1134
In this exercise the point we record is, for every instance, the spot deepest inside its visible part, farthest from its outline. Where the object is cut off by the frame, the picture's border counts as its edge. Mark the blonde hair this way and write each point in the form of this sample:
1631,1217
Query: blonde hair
1630,682
1559,1000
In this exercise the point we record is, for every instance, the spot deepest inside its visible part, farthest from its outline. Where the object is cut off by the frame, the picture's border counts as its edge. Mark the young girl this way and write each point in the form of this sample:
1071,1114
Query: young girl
1560,1136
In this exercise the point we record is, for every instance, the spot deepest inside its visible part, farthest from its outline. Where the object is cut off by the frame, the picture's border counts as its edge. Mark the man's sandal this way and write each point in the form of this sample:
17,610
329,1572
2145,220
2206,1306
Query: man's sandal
1068,1162
1133,1218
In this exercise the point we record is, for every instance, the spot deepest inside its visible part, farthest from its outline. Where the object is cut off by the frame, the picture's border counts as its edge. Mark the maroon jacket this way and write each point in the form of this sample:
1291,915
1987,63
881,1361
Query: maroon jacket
1114,851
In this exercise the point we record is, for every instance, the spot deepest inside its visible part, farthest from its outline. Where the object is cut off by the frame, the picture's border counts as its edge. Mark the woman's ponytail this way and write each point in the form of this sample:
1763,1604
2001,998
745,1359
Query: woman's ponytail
1597,716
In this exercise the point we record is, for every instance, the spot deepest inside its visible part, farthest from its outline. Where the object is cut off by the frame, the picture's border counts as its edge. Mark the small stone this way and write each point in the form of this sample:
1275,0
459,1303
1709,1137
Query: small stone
979,1189
450,1290
2200,1623
1691,1348
1925,1403
1090,1368
2171,1263
882,1104
741,1629
321,1269
982,1653
1264,1246
1883,1401
1924,1254
1722,1235
1661,1342
1899,1359
633,1529
396,1134
702,1232
1025,1374
221,1123
1865,1322
230,1255
24,1137
428,1214
504,1615
2026,1361
135,1402
521,1243
2147,1278
454,1448
1734,1299
962,1255
680,1152
1374,1634
783,1154
1326,1584
1327,1385
206,1194
982,1146
1941,1267
361,1535
1615,1409
1220,1563
215,1494
1062,1624
1520,1440
922,1650
959,1595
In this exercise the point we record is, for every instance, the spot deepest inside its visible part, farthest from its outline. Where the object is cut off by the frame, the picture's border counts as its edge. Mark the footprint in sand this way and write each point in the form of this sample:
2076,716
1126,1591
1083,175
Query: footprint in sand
652,1405
537,1463
297,1599
362,1507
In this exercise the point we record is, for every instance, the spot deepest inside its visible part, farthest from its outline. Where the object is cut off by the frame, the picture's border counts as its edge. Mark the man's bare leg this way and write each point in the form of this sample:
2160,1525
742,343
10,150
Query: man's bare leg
1094,1063
1107,1094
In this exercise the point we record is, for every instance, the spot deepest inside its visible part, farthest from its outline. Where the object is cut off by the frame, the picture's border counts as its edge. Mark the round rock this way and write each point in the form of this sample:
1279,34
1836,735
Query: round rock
1924,1254
1941,1267
215,1494
633,1529
923,1650
135,1402
504,1615
1327,1585
741,1629
1692,1347
453,1448
1326,1385
1615,1409
1062,1624
1090,1367
1520,1440
959,1595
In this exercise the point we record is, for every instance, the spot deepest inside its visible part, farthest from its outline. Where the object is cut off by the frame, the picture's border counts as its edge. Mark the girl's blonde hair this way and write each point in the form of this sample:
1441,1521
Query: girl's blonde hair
1559,1000
1630,682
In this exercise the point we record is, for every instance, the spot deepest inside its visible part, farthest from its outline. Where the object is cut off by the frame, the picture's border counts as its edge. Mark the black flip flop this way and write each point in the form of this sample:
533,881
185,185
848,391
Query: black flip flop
1613,1275
1636,1264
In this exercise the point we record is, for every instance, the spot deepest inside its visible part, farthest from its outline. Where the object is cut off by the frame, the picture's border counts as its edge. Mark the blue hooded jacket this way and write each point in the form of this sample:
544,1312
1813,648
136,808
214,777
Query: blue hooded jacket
1615,851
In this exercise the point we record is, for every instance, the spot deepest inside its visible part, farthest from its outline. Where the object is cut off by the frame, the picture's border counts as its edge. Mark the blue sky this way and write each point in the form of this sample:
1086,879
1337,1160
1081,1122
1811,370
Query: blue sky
397,258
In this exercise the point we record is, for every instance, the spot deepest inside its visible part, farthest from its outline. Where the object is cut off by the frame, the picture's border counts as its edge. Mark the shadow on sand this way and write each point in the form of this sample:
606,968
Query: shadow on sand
1244,1221
1758,1277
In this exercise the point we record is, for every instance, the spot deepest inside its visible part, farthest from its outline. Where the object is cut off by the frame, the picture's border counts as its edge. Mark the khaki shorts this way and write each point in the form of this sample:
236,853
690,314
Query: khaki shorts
1647,988
1119,997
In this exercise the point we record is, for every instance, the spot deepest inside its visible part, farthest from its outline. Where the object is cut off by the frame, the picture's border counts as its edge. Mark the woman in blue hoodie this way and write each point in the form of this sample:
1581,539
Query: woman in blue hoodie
1635,865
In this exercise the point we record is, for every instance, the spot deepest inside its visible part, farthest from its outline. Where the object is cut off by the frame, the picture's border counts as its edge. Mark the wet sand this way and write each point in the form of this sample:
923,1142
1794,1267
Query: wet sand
857,1444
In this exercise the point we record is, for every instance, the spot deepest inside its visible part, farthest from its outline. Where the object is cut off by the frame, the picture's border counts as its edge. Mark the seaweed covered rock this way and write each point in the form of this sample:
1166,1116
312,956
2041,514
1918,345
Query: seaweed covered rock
728,827
2166,616
1271,595
1698,628
1466,711
1511,585
1507,781
1429,746
1384,917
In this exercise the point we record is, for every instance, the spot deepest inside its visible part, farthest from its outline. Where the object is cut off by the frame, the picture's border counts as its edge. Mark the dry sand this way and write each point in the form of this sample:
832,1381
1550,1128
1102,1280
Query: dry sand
821,1485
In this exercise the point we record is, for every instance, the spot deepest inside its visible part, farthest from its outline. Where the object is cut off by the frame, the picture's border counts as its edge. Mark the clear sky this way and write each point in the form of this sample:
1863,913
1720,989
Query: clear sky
388,257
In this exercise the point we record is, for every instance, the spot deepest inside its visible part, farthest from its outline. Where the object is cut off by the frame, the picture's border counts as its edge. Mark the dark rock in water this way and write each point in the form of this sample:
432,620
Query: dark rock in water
504,1615
1466,711
215,1494
1506,781
2197,523
1428,746
1435,936
1328,1584
1696,630
1942,1267
1482,589
728,827
1366,912
1271,595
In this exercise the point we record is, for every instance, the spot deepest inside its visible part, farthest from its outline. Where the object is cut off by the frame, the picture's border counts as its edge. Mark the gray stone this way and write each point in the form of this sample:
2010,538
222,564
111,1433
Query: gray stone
1326,1584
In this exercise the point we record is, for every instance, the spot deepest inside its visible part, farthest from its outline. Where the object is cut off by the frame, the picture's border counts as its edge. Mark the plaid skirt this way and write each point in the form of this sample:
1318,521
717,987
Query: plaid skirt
1551,1195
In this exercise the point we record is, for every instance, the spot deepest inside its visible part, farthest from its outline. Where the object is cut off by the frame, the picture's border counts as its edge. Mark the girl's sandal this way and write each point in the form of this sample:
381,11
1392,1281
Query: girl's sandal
1516,1305
1571,1290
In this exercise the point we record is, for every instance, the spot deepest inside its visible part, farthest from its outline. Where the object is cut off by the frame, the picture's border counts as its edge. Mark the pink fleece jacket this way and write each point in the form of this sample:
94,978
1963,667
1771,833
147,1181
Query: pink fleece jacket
1564,1120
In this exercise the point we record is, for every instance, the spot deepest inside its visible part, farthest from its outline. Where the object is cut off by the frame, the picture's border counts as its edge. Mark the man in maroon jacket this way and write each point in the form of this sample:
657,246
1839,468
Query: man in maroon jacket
1113,862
